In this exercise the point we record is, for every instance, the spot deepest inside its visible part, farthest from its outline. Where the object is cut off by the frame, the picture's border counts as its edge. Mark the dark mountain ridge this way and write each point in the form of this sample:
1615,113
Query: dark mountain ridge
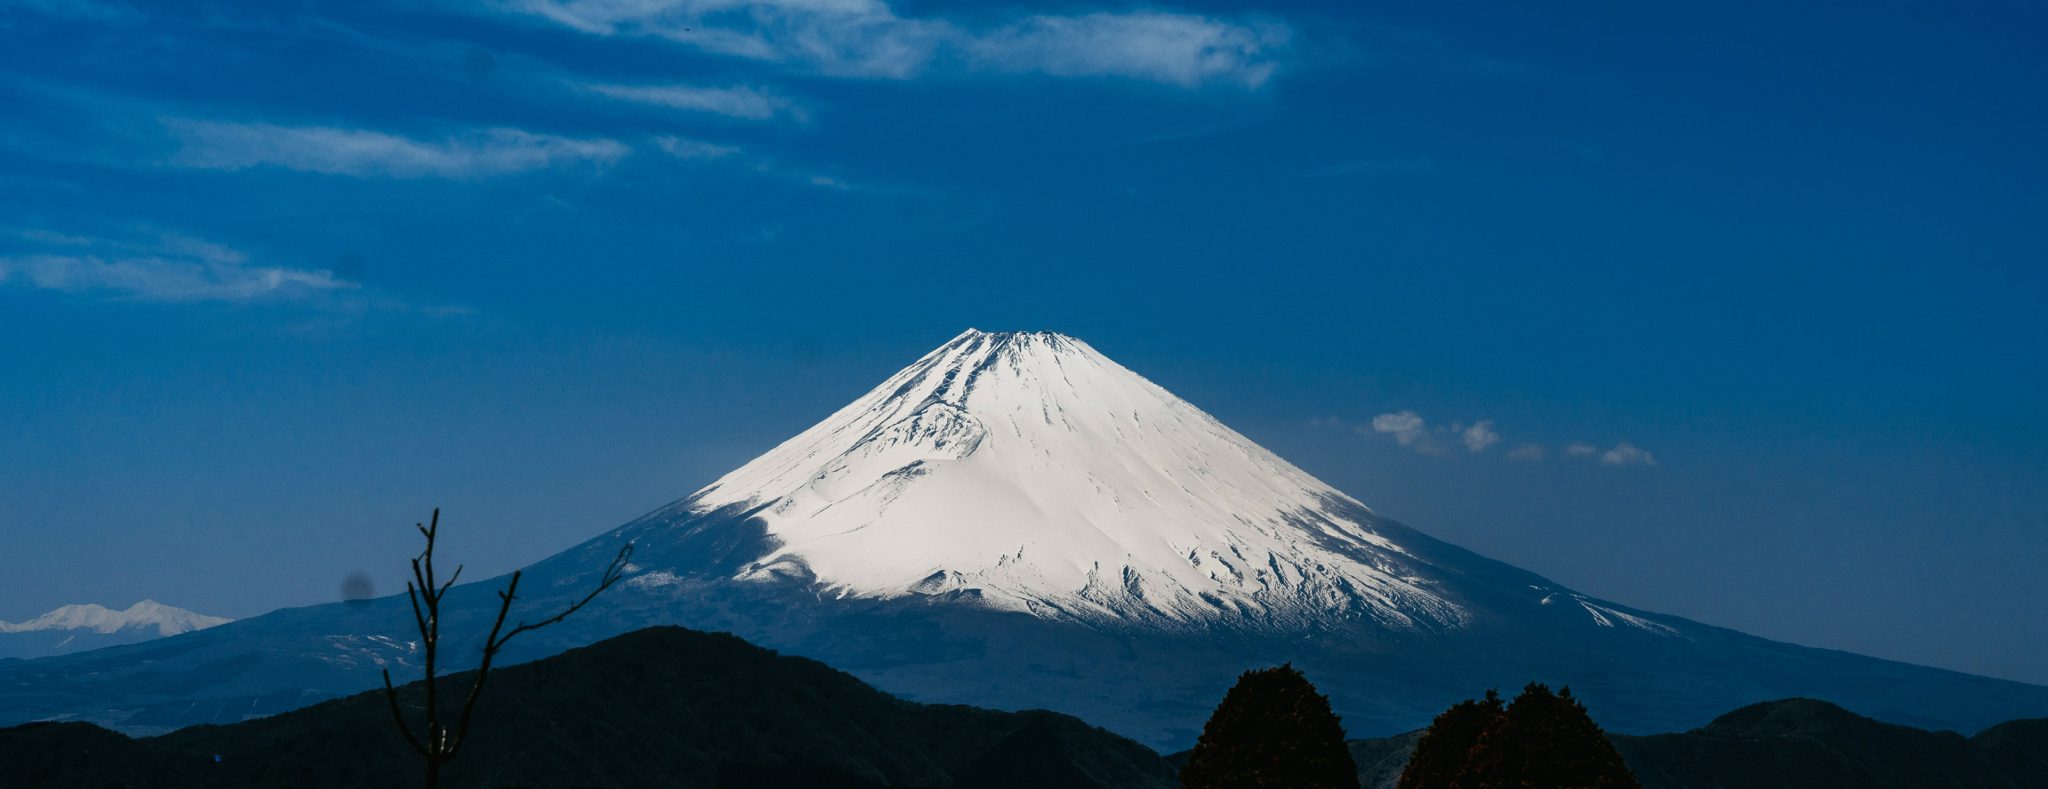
1796,744
1817,745
663,706
668,706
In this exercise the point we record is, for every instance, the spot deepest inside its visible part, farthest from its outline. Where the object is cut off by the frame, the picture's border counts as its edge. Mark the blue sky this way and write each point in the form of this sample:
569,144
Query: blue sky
276,278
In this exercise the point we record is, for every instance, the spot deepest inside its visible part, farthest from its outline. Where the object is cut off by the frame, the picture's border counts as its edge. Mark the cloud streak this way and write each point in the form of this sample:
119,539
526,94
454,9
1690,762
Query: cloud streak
1410,430
363,153
691,150
1175,49
1627,454
737,102
868,39
81,10
169,268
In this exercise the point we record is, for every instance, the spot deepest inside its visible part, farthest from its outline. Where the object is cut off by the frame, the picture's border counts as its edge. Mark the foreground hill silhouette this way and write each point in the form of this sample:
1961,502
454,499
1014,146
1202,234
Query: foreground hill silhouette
1796,744
672,707
1817,745
663,706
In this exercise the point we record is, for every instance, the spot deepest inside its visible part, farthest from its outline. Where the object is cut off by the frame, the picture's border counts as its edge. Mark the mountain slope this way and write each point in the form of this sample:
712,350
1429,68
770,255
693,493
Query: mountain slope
77,628
1015,521
1051,480
659,707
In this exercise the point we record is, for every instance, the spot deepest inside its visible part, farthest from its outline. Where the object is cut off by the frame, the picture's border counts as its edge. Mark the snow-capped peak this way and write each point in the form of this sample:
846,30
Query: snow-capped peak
1028,471
167,620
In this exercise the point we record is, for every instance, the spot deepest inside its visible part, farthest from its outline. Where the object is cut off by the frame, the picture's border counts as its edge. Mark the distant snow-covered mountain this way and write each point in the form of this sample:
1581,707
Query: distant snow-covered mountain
1050,480
77,628
1016,521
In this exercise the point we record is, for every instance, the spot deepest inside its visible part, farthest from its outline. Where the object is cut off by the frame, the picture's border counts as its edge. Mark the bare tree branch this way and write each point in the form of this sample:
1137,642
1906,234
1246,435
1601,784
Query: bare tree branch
418,618
440,743
612,574
398,717
493,643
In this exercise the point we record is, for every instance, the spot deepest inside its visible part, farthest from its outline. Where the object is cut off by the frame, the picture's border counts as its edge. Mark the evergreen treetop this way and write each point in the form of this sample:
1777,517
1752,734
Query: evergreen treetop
1272,730
1542,739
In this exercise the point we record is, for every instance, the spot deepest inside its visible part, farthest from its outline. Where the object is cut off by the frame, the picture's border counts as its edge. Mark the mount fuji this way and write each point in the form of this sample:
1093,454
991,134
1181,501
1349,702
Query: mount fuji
1032,474
1016,521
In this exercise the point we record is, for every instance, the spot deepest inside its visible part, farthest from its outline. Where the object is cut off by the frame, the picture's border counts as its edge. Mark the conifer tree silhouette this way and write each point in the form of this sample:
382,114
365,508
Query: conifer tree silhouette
1272,730
1551,741
1451,742
438,742
1542,739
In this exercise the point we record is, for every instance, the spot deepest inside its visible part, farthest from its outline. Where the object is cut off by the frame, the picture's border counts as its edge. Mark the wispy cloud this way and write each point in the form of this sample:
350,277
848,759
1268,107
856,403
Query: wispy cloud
102,11
166,267
867,38
1627,454
688,149
1409,429
1177,49
735,102
685,148
1479,436
225,145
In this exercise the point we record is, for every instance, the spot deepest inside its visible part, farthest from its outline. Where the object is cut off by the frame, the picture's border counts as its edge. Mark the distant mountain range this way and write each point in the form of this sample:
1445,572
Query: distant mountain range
669,707
77,628
1016,521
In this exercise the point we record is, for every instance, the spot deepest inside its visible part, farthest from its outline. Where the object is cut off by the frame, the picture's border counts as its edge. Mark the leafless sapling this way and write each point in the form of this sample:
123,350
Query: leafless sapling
439,742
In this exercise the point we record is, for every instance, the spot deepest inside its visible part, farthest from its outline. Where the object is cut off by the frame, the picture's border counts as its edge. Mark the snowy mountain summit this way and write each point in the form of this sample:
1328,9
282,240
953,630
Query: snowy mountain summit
76,628
1026,471
91,617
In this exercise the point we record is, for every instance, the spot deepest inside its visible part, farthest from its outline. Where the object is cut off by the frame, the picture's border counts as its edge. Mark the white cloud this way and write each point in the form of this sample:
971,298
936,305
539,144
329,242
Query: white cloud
866,38
1177,49
1410,430
1627,454
684,148
1479,436
103,11
221,145
737,102
848,38
732,155
168,268
1406,427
